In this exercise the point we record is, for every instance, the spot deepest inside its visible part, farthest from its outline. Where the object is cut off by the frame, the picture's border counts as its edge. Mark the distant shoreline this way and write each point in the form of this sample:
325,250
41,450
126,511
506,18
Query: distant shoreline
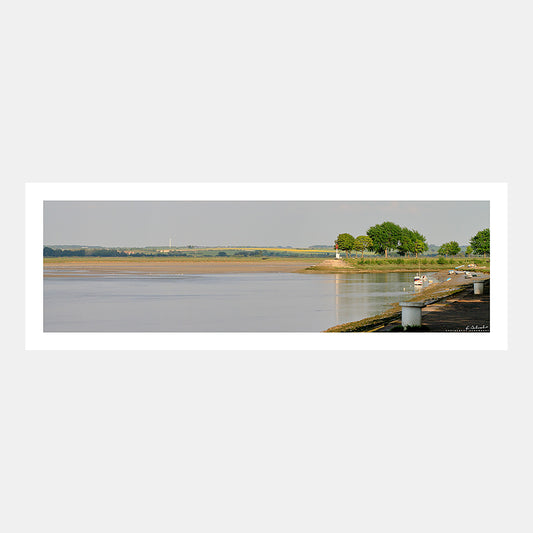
176,265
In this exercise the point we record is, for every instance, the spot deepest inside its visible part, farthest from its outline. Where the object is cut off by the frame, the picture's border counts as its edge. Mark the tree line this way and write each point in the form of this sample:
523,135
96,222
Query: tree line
111,252
103,252
479,245
388,237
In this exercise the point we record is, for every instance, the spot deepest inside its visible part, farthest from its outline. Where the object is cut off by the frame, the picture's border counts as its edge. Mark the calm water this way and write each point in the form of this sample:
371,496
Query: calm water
253,302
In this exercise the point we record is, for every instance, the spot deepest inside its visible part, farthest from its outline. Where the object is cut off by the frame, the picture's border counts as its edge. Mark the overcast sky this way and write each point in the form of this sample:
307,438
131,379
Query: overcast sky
116,224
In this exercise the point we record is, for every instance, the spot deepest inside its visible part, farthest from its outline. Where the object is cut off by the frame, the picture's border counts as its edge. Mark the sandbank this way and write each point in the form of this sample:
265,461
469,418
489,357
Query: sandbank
99,267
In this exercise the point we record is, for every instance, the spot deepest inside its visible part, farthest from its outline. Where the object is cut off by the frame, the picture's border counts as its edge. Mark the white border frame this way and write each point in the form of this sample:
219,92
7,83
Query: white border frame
37,193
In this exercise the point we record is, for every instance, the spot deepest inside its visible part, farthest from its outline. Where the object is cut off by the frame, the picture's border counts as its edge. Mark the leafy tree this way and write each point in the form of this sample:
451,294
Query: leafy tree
419,247
346,242
449,248
420,242
453,248
445,249
362,243
50,252
469,250
411,242
406,242
385,236
480,242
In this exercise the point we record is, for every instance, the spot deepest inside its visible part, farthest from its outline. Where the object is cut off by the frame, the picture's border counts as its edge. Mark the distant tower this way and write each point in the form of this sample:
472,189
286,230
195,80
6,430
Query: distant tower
170,242
337,254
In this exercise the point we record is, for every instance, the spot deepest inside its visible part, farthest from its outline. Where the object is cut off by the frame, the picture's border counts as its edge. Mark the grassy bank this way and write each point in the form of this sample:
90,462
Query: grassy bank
372,264
401,264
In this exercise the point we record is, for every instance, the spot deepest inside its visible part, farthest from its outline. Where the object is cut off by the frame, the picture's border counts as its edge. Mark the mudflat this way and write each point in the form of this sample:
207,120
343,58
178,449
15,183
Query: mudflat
96,267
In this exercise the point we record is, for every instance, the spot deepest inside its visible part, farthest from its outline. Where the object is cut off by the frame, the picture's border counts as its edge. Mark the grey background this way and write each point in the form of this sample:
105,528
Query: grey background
266,441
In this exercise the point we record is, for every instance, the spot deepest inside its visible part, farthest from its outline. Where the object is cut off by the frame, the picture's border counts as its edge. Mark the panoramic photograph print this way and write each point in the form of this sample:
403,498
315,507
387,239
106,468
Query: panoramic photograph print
266,266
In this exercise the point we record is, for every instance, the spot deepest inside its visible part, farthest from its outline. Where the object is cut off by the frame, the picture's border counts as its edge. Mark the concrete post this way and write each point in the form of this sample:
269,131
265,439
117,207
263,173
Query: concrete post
412,313
478,287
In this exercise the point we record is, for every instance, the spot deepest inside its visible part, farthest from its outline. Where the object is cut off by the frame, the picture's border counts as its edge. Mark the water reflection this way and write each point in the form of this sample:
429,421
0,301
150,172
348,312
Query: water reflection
277,302
364,294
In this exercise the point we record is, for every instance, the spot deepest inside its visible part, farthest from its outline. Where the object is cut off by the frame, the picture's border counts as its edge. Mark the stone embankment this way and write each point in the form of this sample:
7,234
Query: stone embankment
445,286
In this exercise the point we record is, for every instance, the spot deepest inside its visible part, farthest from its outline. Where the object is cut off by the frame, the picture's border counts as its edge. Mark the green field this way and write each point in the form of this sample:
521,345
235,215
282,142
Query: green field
425,263
367,264
370,262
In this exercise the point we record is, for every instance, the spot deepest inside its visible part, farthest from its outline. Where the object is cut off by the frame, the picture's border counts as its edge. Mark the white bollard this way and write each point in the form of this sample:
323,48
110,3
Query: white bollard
478,287
412,313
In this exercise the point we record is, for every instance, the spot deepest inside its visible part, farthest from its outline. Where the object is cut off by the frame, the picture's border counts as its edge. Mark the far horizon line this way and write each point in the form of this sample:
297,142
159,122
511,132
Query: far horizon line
189,246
